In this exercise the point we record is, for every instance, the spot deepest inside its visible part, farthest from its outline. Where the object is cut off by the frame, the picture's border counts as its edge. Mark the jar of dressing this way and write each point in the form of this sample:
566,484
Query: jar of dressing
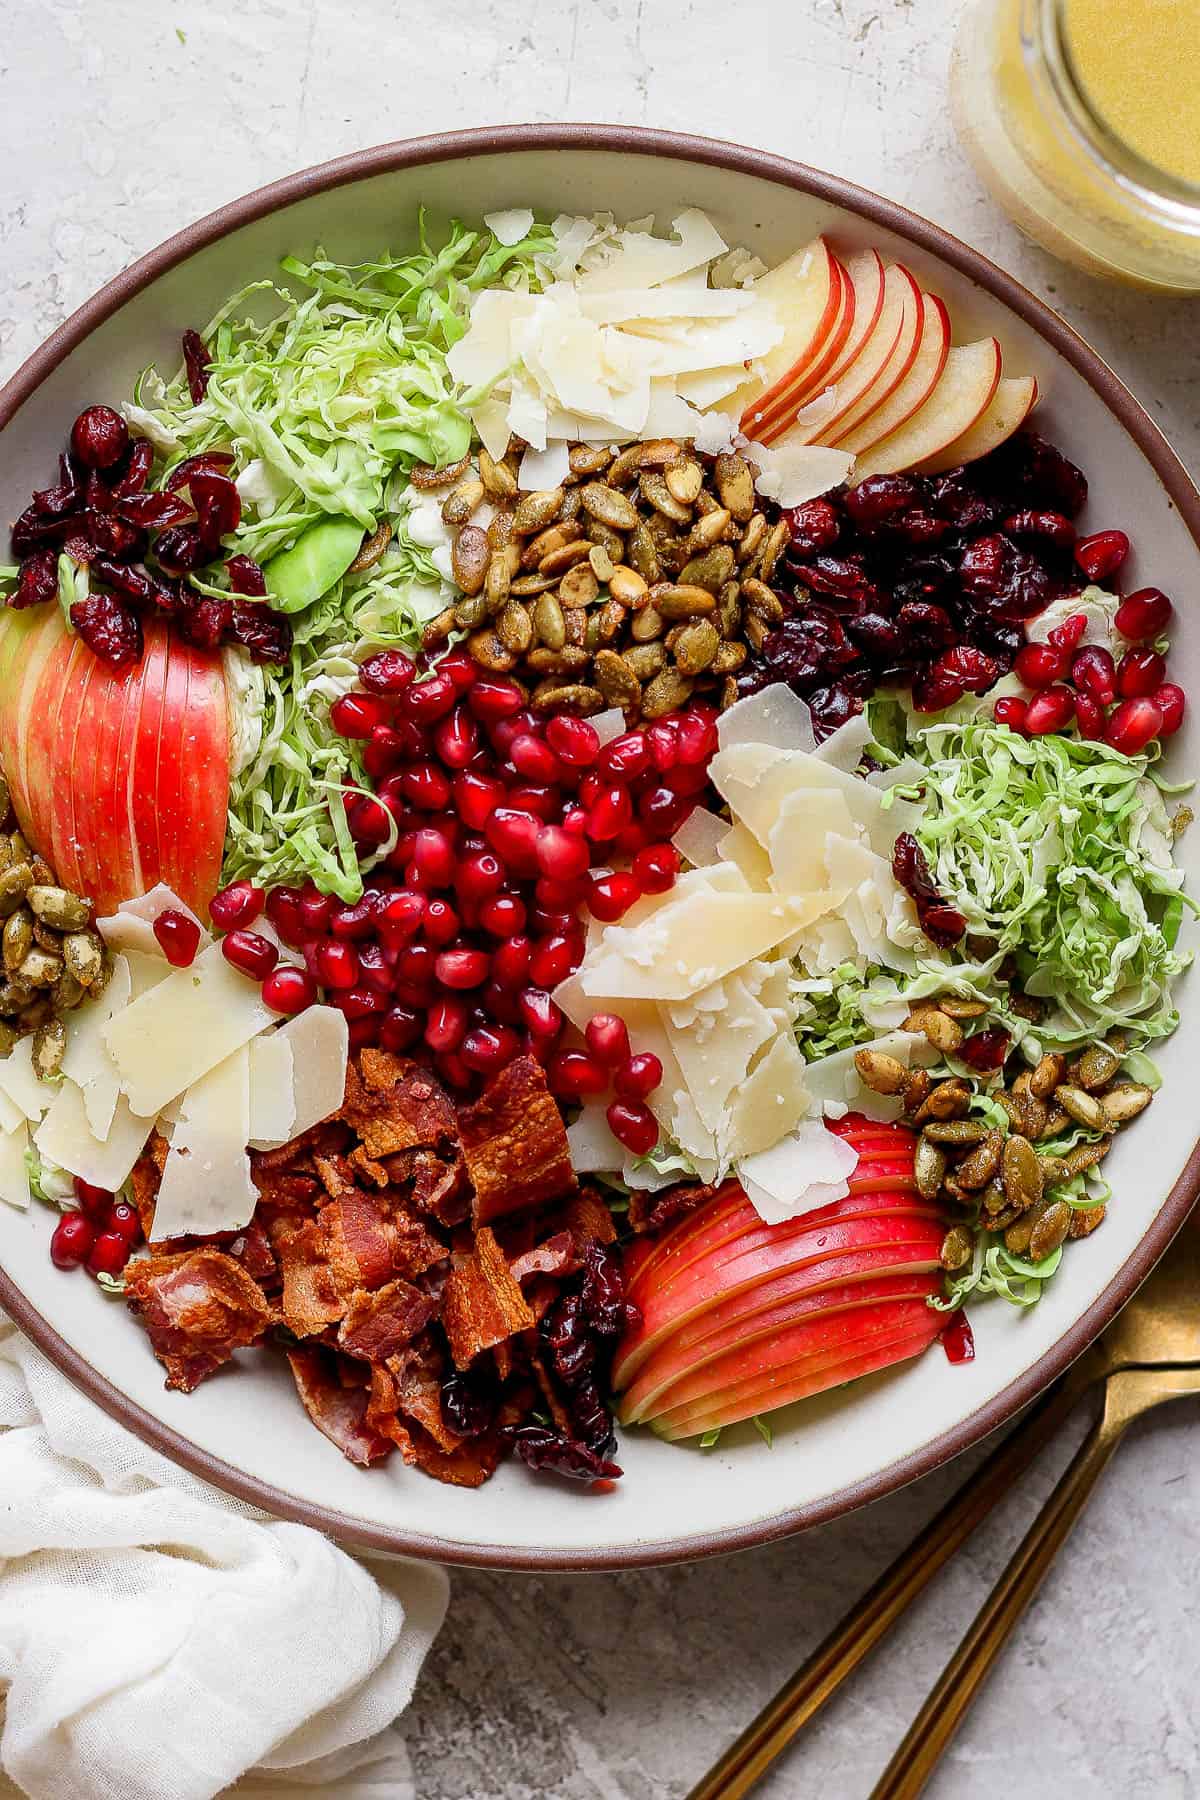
1083,118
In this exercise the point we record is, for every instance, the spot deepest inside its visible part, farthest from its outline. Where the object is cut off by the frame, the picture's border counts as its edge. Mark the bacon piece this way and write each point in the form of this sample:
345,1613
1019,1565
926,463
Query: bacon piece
418,1373
557,1256
414,1249
252,1248
372,1171
335,1175
338,1411
473,1462
650,1212
198,1308
441,1188
311,1297
393,1105
586,1216
145,1179
286,1188
515,1143
360,1249
379,1323
327,1137
481,1303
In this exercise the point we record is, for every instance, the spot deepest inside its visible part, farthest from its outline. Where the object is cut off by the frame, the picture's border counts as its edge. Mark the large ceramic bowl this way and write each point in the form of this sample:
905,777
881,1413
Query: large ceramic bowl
245,1431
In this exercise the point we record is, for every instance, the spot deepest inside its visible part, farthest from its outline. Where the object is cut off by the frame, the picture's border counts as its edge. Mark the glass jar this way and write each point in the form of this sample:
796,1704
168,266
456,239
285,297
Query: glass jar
1083,118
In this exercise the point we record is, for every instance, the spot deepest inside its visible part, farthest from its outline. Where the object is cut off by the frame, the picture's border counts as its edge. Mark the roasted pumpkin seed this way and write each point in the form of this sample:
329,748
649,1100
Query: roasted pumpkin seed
423,476
665,693
1081,1106
948,1099
1084,1220
499,482
682,602
49,1048
1126,1101
684,479
616,678
572,697
656,493
696,646
979,1165
929,1167
627,586
466,499
962,1134
469,557
611,508
490,651
57,906
711,569
533,512
882,1073
579,586
1020,1173
18,938
372,549
1049,1231
1096,1067
1046,1076
958,1246
735,486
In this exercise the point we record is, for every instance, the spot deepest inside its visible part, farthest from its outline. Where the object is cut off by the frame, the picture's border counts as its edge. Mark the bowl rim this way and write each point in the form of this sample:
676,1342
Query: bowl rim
874,209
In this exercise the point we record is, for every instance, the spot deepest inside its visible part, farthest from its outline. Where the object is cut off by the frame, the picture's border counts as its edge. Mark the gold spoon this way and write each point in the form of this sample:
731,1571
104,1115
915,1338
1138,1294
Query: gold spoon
1148,1355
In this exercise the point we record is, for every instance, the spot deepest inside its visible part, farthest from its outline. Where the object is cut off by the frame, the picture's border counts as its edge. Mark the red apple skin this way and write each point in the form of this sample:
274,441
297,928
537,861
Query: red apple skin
800,1383
659,1382
120,777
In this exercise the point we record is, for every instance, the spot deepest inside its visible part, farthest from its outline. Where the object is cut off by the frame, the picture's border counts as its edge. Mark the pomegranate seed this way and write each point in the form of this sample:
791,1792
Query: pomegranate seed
607,1038
479,876
625,757
686,780
359,1002
249,953
513,833
638,1076
357,921
238,904
431,863
71,1241
503,915
573,1073
108,1254
574,820
442,923
387,672
370,822
1010,710
1041,665
178,937
573,741
610,813
426,787
487,1048
655,869
611,895
316,910
663,740
94,1202
534,759
456,738
663,810
1139,672
553,924
1143,614
375,968
285,914
400,917
460,667
453,1070
1067,635
635,837
540,1016
1102,554
357,715
463,967
559,896
288,989
476,798
338,964
499,1003
1089,717
400,1029
430,699
697,738
1050,710
634,1125
1133,724
364,1033
99,437
491,699
510,962
1094,671
446,1024
124,1220
552,959
1171,702
546,802
560,855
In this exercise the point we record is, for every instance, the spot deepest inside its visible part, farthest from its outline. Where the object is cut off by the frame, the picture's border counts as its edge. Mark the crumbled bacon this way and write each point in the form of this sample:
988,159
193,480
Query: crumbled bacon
378,1324
441,1188
311,1297
557,1256
340,1412
481,1303
515,1144
651,1212
396,1105
198,1308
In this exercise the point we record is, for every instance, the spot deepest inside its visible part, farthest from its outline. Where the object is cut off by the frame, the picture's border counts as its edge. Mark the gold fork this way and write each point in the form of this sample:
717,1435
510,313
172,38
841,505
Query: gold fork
1148,1355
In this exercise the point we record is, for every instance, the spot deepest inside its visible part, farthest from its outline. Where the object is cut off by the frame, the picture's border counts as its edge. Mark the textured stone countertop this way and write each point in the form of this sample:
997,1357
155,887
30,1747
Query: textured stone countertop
119,121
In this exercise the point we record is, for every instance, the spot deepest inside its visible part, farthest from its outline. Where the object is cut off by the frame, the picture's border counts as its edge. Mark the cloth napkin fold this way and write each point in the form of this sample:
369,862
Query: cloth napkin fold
159,1639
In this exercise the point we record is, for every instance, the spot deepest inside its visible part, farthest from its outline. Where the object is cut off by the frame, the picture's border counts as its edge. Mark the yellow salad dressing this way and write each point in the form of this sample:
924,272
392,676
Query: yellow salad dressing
1138,62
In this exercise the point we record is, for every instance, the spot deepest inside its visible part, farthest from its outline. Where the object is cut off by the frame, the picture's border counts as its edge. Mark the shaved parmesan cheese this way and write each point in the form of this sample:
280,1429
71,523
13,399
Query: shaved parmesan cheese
206,1184
793,473
700,836
18,1082
171,1037
319,1041
688,946
715,1045
593,1146
272,1091
14,1171
65,1137
145,972
800,839
708,386
643,261
742,849
509,227
131,927
86,1060
775,716
490,419
768,1102
843,749
544,469
809,1168
11,1116
608,725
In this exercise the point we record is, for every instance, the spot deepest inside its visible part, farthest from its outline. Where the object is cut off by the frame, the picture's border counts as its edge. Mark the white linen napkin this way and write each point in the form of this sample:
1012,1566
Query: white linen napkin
158,1639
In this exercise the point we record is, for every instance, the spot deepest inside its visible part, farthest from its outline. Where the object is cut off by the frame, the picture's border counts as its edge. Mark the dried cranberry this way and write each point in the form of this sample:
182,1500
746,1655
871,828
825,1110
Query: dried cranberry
924,626
468,1403
207,462
114,537
136,472
942,923
180,550
602,1293
266,634
591,1420
832,707
37,580
986,1050
1051,527
813,526
882,638
955,498
32,532
564,1331
65,497
129,579
153,512
918,528
843,578
109,628
99,437
1011,581
206,624
246,577
1049,475
218,508
541,1448
196,363
878,499
955,673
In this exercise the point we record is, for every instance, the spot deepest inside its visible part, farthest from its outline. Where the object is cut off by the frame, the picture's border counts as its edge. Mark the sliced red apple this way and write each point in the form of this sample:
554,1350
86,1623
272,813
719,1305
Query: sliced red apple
120,777
910,1335
806,293
909,394
882,361
962,395
866,274
1014,399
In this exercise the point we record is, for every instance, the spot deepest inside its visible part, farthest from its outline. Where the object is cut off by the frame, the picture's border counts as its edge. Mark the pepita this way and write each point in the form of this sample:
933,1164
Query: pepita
682,602
729,658
497,583
657,494
666,692
882,1073
423,476
49,1048
573,697
579,586
929,1168
735,486
1020,1173
763,601
1084,1220
558,561
642,553
608,506
948,1099
1019,1233
1085,1156
957,1248
979,1165
498,480
961,1009
469,614
625,466
772,550
711,569
59,907
1126,1101
371,549
616,678
1081,1106
514,628
15,882
466,499
536,583
490,651
647,625
18,938
710,529
752,538
1049,1231
39,968
916,1089
602,564
943,1032
469,557
548,621
627,586
960,1133
696,647
533,512
684,480
645,660
1096,1067
1046,1076
588,459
